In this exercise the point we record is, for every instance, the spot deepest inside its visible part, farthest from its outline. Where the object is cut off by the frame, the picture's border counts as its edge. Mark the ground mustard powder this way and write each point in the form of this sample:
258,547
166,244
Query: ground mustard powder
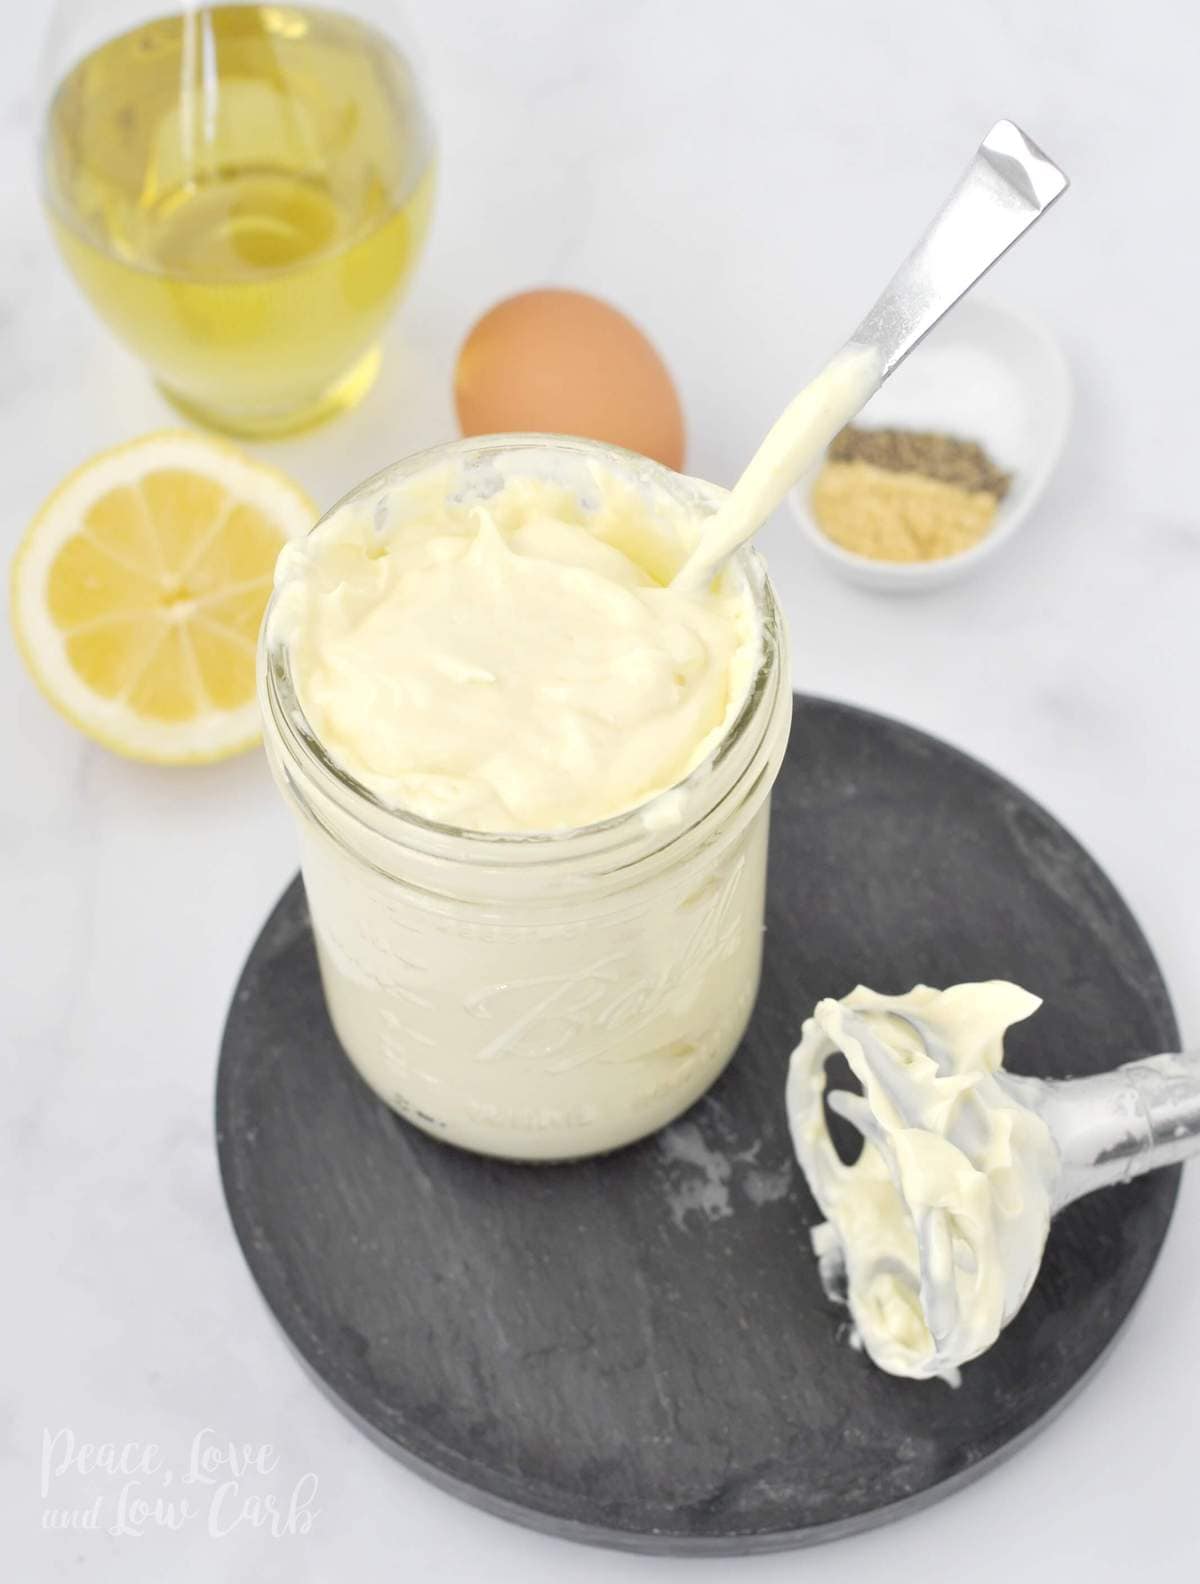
906,495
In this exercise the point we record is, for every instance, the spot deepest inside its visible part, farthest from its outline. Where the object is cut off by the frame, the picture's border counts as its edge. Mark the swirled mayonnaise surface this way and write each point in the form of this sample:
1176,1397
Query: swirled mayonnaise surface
515,660
951,1163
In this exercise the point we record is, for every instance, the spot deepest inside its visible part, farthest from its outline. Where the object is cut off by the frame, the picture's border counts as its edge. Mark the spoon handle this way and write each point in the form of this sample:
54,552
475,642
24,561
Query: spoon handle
1004,189
1008,184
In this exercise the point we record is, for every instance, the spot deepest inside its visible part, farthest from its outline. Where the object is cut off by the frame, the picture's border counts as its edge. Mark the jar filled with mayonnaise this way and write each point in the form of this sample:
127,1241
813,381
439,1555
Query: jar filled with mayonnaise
530,993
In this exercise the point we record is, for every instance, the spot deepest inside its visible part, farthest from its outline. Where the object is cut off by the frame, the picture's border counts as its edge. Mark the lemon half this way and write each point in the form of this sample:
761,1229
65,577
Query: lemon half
139,588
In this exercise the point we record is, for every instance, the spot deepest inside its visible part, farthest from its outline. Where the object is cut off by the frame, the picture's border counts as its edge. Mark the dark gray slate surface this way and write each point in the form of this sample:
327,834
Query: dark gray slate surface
636,1350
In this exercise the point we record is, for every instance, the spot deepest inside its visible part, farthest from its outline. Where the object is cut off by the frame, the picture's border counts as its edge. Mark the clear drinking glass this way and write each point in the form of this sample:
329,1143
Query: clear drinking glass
241,191
540,996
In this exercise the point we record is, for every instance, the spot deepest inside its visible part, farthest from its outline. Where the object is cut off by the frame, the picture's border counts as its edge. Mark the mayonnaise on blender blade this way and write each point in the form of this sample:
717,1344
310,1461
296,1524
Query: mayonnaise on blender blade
938,1227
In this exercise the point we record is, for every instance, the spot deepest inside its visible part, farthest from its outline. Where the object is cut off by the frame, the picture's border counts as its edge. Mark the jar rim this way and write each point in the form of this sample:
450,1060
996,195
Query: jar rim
282,709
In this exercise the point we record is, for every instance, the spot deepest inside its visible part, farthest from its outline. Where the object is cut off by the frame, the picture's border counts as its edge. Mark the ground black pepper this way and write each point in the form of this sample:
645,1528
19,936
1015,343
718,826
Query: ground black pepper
936,456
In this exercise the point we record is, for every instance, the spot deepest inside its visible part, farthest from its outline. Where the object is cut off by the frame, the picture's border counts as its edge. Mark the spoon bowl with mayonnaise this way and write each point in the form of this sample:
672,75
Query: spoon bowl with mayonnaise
1008,185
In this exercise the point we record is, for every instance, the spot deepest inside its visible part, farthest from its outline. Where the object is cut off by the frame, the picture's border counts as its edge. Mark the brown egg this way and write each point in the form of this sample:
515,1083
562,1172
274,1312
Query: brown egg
561,362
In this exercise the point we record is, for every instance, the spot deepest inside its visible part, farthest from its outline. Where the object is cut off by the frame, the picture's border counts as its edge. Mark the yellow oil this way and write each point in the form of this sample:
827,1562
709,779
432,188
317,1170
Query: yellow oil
242,192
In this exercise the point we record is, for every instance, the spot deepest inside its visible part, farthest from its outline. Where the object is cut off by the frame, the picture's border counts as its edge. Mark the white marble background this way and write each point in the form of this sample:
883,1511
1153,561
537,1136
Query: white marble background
741,178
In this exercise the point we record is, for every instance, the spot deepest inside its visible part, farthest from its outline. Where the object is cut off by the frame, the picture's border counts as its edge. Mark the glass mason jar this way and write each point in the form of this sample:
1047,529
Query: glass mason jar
541,996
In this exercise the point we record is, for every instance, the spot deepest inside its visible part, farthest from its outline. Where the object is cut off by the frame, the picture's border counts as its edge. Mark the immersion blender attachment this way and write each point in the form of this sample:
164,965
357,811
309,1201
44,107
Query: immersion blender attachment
1106,1129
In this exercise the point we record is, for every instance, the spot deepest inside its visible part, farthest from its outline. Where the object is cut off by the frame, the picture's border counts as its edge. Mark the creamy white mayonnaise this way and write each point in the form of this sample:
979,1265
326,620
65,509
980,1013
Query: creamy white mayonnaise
513,663
792,444
948,1154
489,640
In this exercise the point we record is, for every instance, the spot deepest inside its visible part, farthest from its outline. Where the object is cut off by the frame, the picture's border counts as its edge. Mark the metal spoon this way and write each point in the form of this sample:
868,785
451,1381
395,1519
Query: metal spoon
1008,185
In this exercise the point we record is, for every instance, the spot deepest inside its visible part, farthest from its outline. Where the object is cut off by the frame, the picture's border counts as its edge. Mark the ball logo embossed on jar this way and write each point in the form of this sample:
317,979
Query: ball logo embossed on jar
610,996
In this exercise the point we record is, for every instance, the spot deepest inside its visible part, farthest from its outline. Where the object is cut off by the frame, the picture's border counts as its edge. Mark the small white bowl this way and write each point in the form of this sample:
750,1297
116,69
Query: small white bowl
986,374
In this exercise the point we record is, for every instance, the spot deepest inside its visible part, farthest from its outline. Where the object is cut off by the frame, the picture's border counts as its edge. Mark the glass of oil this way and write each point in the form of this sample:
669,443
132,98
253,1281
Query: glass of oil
242,192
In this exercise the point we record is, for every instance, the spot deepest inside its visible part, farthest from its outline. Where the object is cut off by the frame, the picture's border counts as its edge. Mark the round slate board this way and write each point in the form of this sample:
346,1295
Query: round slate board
636,1350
